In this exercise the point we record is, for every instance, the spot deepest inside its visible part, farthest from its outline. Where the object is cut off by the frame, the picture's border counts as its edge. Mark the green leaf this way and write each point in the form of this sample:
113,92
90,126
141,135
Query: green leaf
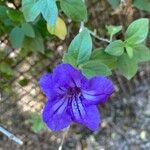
142,53
6,69
142,4
31,9
24,82
137,31
15,15
37,124
129,51
34,44
28,30
48,9
94,68
16,37
6,22
3,12
127,66
99,54
81,47
112,30
115,48
68,59
114,3
74,9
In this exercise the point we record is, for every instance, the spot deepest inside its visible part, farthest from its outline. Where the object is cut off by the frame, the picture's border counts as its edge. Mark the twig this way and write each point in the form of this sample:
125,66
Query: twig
11,136
81,26
99,38
63,139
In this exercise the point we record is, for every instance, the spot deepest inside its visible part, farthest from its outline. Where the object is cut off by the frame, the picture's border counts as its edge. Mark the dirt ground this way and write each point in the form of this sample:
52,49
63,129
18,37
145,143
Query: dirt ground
125,126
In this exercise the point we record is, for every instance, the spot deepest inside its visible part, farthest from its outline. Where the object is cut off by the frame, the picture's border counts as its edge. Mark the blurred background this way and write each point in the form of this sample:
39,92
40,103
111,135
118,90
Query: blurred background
125,118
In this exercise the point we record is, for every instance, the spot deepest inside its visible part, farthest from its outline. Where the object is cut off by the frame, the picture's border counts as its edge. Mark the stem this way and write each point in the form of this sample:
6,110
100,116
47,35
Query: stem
11,136
63,139
81,26
99,38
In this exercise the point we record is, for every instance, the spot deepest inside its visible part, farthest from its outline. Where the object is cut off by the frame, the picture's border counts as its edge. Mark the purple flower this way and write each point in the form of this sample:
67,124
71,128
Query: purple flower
73,98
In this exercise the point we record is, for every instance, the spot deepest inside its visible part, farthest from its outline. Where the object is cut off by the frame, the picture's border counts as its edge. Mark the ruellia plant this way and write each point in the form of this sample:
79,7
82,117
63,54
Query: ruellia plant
76,86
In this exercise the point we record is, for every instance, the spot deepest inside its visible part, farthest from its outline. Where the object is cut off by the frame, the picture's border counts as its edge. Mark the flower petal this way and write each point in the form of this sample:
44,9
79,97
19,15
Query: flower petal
55,115
87,116
67,76
46,85
97,90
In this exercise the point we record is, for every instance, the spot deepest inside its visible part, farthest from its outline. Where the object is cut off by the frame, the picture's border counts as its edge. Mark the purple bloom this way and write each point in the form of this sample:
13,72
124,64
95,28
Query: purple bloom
73,98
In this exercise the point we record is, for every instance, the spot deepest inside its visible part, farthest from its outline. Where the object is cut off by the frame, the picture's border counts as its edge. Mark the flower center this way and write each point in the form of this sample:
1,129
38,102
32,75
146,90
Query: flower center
73,91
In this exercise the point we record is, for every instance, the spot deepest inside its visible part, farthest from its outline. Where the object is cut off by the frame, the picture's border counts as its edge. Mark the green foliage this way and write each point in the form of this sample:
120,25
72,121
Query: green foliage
3,12
24,82
108,60
121,55
141,53
28,30
30,9
137,31
48,9
114,3
93,68
142,4
16,37
36,122
81,47
127,66
69,59
5,69
115,48
34,44
15,16
112,30
129,51
74,9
